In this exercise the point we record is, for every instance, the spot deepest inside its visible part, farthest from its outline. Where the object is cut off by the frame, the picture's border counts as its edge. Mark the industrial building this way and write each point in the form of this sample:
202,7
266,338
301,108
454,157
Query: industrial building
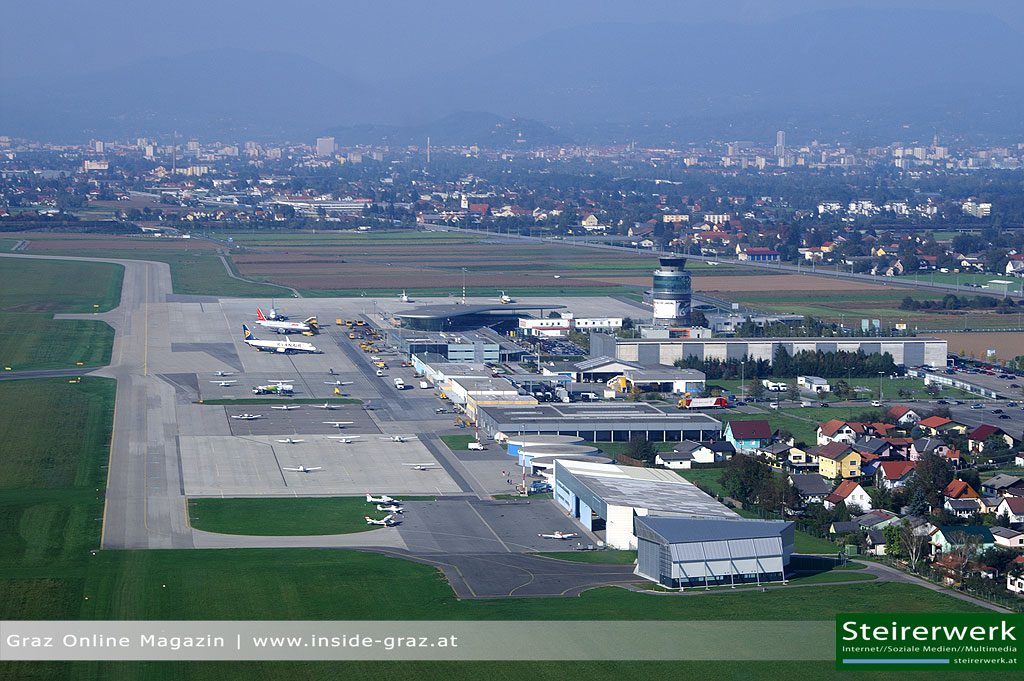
606,497
482,345
528,454
649,351
686,552
517,442
599,422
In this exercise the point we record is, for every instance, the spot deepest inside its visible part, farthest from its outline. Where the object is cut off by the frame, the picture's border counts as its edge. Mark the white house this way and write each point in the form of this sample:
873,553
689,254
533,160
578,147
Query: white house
1008,538
851,493
1015,583
1012,506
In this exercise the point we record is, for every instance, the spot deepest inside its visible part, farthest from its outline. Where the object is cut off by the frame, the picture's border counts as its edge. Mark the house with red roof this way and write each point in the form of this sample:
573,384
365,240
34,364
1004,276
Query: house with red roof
977,437
836,430
849,492
904,416
936,425
958,489
893,474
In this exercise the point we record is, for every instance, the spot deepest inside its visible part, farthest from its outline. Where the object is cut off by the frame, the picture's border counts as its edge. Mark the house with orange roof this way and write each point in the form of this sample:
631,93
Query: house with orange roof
958,489
836,430
893,474
849,492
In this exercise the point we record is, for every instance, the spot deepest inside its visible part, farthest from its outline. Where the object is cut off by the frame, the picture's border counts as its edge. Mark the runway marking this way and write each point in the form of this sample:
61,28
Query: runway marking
145,347
489,527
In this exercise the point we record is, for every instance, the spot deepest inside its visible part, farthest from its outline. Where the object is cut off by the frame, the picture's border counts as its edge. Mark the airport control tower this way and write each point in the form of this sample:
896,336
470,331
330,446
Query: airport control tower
671,294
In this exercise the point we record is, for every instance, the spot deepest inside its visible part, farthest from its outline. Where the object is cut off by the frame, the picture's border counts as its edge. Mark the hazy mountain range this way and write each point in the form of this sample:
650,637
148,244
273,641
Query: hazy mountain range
865,74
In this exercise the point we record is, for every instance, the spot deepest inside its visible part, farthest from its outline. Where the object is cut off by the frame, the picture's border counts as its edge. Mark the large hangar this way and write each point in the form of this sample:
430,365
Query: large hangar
606,497
683,552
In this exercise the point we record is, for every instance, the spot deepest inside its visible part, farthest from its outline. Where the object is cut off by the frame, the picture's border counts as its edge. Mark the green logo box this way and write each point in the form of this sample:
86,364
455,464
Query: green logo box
938,642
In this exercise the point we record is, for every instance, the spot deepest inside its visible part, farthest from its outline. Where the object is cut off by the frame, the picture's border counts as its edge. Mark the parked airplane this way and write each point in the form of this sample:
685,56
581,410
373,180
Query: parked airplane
344,439
273,389
397,438
276,315
382,499
247,417
224,384
338,424
285,407
391,508
304,326
386,522
559,535
405,297
283,346
302,469
505,299
338,382
421,466
222,373
289,441
325,405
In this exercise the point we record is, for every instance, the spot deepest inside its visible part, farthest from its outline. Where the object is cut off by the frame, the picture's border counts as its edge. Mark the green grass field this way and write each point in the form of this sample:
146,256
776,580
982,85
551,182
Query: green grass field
34,290
284,516
458,443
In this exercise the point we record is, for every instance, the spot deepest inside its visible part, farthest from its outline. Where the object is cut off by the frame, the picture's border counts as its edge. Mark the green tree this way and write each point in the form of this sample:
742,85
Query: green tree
642,449
756,391
893,540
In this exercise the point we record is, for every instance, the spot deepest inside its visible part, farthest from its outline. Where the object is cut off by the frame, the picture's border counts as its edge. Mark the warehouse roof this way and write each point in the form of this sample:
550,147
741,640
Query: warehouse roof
445,311
595,416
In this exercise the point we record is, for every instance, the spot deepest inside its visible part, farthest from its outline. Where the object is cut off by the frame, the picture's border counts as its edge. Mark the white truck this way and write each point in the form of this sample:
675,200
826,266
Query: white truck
476,446
399,384
424,385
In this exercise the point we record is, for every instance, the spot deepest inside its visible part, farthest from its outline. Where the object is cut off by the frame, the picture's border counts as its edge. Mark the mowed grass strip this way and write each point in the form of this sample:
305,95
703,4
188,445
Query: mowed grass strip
36,341
31,285
283,517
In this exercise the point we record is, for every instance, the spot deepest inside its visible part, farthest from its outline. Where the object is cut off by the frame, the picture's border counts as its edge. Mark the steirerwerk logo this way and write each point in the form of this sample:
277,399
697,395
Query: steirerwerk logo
953,641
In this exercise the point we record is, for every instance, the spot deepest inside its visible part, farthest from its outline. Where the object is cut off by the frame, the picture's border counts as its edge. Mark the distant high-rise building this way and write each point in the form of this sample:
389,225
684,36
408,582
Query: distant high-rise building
325,146
780,144
98,146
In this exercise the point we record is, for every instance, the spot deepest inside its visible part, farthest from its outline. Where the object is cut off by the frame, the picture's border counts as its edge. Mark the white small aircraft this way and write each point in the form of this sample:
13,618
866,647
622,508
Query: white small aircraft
344,439
712,263
382,499
289,441
325,405
397,438
390,508
421,466
247,417
338,382
285,407
222,373
385,522
505,299
559,535
303,469
405,297
224,384
338,424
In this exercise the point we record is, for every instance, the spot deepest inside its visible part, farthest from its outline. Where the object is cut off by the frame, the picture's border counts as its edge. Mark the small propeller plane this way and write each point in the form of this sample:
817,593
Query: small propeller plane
289,441
302,469
397,438
389,521
325,405
222,373
421,466
559,535
338,382
285,407
247,417
344,439
390,508
382,499
338,424
224,384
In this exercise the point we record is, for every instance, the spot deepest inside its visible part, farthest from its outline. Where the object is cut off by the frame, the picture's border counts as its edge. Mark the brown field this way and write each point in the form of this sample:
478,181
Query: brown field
780,282
95,244
1007,344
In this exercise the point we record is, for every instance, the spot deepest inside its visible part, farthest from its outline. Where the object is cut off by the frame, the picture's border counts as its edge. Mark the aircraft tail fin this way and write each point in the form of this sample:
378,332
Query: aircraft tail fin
247,334
260,316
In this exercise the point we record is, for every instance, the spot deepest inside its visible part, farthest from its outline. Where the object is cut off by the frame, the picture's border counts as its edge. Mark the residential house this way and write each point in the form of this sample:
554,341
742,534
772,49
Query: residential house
962,508
893,474
946,537
688,452
839,431
877,519
927,445
757,254
1008,538
1012,506
1001,485
937,425
976,439
875,446
904,416
811,487
783,455
748,436
1015,581
837,461
849,492
989,504
844,527
958,489
875,541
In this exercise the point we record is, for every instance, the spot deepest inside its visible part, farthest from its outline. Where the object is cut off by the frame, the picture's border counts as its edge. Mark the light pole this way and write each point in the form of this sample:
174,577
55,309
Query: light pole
880,374
463,285
743,391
